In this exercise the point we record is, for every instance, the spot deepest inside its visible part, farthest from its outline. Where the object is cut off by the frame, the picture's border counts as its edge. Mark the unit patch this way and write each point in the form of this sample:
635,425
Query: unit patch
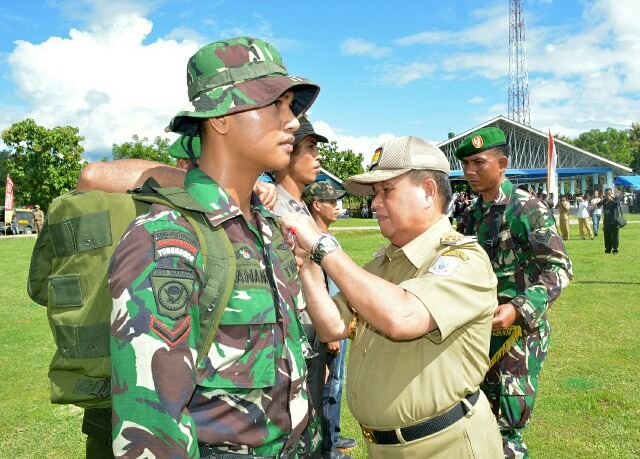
172,289
444,266
456,253
175,244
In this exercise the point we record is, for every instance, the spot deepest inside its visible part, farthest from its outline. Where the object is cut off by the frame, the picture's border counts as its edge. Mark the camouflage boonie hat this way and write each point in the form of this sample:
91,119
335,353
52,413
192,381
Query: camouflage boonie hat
178,149
481,140
236,75
321,190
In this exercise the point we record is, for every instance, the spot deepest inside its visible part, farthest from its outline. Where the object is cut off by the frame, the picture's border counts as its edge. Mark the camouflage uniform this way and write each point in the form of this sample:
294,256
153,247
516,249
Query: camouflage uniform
249,394
532,268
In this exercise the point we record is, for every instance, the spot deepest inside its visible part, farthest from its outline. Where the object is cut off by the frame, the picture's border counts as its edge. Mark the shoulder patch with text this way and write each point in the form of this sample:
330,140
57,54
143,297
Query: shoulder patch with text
172,243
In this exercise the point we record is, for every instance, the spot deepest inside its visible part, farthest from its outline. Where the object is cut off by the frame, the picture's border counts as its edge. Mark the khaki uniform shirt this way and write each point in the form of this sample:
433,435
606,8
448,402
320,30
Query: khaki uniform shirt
392,384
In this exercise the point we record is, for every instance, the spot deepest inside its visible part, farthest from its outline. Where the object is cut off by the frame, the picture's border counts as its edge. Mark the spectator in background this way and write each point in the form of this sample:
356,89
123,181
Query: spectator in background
14,224
596,212
563,207
582,203
611,210
38,218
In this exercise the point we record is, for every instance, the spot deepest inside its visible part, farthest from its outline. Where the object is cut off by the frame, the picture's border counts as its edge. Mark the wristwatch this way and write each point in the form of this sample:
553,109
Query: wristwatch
325,245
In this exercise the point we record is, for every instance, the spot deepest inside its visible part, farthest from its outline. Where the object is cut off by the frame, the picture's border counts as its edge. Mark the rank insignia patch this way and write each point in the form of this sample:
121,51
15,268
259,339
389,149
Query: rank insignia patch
543,236
172,289
171,336
444,266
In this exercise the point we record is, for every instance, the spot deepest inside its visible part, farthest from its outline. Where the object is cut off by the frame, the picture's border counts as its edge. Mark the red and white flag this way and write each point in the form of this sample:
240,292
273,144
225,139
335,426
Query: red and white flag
552,176
8,195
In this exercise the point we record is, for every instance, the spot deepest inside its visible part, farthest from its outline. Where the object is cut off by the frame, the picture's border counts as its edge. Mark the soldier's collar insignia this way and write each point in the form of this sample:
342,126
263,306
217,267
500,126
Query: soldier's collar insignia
379,252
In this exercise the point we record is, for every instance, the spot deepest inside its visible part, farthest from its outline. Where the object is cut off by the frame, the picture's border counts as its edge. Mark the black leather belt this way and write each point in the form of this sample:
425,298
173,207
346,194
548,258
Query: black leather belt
211,452
429,427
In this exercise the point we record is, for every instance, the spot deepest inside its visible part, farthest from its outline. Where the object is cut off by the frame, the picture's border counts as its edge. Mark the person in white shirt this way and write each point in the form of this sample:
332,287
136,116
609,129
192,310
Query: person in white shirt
582,203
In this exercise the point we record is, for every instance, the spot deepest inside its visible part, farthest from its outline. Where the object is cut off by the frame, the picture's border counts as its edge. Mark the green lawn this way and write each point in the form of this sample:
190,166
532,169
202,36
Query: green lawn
589,405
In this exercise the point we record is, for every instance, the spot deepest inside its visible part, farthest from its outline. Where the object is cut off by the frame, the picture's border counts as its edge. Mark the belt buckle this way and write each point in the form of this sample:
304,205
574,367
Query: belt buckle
368,434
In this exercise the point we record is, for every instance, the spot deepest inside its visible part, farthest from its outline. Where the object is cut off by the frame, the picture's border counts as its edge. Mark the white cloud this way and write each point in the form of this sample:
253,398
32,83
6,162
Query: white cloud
104,80
475,100
358,144
360,47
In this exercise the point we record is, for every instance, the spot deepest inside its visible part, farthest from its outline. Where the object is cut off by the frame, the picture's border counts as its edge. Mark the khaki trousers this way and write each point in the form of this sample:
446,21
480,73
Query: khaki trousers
476,436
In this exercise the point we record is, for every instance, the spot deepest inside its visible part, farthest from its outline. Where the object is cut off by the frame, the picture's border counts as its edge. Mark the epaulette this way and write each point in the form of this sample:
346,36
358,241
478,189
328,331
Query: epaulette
456,239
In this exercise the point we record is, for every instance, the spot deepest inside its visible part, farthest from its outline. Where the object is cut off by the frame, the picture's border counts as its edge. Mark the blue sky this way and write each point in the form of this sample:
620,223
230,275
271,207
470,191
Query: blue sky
117,68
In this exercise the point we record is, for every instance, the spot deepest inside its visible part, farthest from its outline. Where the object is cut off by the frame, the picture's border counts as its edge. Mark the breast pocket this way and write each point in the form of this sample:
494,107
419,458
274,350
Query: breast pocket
243,352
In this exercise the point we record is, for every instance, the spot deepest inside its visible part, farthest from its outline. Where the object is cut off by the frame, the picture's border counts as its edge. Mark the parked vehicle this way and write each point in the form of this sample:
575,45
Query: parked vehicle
25,220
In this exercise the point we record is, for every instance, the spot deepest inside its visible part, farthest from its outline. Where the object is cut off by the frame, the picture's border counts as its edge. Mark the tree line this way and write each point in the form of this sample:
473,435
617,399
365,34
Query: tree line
45,163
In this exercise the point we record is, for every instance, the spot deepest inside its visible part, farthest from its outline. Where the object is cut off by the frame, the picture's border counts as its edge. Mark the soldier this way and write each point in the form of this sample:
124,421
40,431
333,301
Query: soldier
249,396
423,306
38,218
530,260
291,182
322,201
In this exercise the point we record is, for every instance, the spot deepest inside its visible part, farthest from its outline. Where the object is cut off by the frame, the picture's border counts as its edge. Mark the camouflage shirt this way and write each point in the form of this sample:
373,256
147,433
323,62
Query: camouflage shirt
530,261
250,392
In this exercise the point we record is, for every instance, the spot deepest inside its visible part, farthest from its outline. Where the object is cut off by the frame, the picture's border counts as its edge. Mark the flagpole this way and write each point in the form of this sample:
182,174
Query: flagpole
552,176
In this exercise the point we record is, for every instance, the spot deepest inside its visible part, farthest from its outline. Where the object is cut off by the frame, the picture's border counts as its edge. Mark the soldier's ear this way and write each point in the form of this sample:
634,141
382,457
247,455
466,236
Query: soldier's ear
503,162
220,124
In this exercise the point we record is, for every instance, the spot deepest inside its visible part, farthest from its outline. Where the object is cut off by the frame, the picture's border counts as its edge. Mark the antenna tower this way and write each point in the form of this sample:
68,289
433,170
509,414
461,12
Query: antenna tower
518,75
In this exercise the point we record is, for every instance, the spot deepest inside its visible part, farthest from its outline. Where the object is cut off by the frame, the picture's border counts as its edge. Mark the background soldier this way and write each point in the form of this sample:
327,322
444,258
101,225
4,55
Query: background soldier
529,258
249,396
291,182
424,307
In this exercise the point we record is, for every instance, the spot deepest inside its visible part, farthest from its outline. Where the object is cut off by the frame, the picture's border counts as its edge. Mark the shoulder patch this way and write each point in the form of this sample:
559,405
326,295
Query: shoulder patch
444,266
455,239
173,243
456,253
172,289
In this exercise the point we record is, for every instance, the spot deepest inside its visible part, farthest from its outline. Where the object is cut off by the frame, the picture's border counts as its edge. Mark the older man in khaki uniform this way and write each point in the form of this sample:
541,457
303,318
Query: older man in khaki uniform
419,313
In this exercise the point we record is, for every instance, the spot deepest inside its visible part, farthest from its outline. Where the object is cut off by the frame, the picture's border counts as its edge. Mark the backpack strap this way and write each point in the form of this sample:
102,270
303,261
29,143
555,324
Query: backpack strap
217,252
493,239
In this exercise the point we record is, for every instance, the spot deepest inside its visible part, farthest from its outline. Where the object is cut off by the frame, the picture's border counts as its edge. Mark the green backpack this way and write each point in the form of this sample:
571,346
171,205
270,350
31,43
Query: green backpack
68,275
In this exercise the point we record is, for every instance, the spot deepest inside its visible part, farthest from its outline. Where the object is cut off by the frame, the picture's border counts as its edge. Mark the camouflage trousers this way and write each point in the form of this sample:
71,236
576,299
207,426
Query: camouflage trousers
511,384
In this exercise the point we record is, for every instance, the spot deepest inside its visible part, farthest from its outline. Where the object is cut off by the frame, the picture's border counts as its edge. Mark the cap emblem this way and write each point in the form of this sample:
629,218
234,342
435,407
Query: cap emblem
477,141
375,159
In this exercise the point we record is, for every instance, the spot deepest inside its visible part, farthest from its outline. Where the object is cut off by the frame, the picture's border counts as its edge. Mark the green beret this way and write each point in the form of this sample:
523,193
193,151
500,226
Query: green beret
481,140
178,149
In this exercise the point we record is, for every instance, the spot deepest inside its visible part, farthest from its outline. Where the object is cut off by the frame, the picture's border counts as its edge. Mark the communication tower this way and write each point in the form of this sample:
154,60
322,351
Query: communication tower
518,75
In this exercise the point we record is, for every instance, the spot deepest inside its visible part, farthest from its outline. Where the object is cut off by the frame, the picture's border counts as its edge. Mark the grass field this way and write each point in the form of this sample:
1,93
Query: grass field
589,404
